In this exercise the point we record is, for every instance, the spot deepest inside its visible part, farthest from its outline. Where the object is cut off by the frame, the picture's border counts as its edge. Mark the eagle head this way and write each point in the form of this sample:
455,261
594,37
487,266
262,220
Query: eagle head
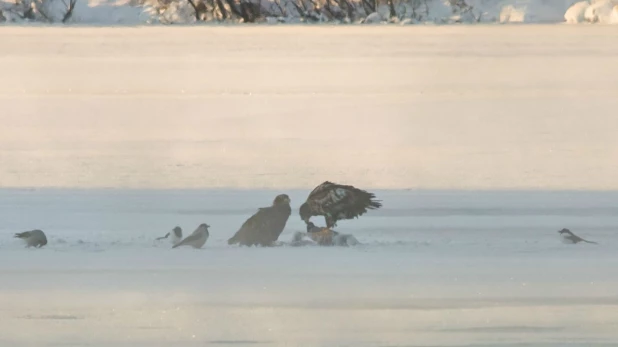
281,199
305,212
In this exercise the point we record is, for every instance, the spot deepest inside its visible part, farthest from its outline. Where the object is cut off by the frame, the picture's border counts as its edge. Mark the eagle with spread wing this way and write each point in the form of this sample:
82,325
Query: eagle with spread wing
265,226
337,202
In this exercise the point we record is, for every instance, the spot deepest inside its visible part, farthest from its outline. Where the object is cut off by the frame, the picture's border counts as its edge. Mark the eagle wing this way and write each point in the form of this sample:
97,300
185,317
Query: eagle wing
341,201
263,228
321,189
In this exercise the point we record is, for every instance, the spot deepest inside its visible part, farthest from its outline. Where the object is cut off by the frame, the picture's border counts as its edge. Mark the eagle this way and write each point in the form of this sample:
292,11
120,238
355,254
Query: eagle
265,226
337,202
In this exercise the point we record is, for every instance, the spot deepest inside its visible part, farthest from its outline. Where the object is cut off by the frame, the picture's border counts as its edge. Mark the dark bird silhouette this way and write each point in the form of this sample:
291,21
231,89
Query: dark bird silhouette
34,238
265,226
197,239
337,202
569,237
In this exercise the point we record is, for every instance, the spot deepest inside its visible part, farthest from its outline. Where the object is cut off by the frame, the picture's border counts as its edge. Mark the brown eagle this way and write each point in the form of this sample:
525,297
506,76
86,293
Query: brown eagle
265,226
337,202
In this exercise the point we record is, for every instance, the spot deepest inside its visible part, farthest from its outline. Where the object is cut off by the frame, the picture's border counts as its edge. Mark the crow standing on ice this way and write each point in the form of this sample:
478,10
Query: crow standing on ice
337,202
197,239
569,237
33,238
265,226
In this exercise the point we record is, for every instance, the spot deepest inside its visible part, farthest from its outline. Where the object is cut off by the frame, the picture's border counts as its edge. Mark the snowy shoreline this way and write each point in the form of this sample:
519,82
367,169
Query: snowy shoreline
404,12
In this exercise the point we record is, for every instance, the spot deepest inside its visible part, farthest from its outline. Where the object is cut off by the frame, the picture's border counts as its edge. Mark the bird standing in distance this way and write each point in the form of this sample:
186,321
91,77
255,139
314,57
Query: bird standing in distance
175,236
337,202
197,239
265,226
34,238
569,237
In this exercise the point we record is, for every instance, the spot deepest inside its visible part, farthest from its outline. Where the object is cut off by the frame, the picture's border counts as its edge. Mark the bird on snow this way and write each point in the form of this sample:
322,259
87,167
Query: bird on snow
569,237
175,235
265,226
337,202
197,239
33,238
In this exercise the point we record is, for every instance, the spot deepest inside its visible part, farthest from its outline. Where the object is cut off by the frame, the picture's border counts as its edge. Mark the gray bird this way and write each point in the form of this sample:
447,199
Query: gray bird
197,239
34,238
569,237
175,236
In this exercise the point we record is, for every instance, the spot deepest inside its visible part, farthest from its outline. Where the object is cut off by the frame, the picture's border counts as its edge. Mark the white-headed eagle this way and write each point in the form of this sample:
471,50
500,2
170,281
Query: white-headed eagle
337,202
265,226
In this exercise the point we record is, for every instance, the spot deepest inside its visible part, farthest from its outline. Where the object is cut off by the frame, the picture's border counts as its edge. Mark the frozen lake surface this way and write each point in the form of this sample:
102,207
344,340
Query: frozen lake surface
432,107
435,268
167,114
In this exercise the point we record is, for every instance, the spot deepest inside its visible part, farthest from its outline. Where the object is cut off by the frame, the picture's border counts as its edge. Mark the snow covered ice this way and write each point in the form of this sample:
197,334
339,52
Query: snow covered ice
482,142
434,268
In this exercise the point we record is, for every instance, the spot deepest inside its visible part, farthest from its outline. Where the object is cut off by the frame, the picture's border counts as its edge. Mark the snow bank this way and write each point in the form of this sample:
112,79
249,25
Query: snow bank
532,11
576,13
595,11
133,12
503,11
602,11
